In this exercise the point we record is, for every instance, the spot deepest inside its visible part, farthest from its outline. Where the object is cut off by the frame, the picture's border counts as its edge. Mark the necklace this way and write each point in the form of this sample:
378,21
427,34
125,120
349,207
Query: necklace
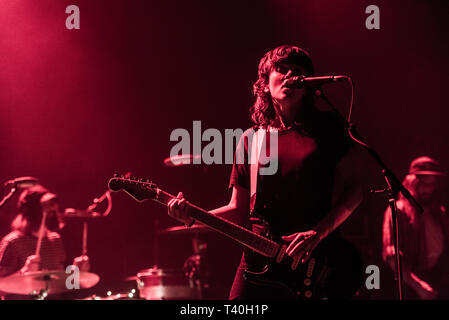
280,129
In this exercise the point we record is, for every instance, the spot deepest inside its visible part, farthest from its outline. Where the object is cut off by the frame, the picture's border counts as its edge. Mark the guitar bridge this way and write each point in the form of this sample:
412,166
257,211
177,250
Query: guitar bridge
310,268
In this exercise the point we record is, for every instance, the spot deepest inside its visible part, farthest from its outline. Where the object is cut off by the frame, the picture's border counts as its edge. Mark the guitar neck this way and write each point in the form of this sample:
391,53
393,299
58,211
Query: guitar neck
247,238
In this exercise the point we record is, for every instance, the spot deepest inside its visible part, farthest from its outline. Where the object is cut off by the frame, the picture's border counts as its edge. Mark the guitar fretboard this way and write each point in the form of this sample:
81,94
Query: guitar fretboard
232,230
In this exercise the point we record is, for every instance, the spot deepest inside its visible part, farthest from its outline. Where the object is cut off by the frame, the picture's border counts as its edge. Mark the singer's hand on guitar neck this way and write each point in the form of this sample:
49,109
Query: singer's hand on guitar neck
177,209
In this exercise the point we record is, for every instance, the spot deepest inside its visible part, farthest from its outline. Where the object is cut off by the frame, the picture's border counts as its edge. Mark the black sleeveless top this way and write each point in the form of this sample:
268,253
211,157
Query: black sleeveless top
298,195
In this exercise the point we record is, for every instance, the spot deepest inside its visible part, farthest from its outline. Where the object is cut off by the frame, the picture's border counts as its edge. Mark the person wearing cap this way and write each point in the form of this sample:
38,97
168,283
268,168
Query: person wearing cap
423,238
18,248
298,202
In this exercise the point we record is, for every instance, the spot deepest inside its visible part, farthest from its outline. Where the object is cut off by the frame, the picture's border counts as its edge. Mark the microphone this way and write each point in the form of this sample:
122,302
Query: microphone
301,81
23,182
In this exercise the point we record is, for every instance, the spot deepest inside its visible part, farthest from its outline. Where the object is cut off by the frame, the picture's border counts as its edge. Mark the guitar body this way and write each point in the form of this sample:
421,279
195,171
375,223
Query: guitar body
334,271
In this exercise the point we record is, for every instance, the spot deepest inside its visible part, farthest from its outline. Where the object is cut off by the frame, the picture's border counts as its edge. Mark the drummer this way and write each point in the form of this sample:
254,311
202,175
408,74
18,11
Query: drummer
18,248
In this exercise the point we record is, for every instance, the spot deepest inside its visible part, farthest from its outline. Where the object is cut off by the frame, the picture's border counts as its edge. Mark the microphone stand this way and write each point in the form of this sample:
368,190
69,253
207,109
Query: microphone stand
394,186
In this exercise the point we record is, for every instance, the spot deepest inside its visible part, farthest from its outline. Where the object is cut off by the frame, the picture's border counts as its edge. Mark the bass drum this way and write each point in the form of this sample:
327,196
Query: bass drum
162,284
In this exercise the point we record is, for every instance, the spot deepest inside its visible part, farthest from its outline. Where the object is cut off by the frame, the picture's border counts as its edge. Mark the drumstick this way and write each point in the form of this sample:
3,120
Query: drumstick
84,252
41,233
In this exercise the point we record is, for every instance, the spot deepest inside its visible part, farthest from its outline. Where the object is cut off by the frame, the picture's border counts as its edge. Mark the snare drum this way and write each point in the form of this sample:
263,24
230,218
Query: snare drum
162,284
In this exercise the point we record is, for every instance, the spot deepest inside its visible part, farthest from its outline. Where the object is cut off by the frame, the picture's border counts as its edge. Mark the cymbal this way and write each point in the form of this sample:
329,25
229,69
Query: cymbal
180,160
52,280
181,230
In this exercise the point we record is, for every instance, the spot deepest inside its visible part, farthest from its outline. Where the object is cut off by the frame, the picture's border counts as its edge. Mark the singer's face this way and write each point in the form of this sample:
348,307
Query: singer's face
276,85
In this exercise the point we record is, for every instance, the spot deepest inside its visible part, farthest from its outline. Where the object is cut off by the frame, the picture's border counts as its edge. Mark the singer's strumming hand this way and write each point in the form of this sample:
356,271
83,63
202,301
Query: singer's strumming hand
177,209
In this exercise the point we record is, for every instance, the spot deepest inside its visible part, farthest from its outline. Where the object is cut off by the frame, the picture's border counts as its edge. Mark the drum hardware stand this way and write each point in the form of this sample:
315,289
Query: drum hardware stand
90,213
43,293
192,266
156,243
394,185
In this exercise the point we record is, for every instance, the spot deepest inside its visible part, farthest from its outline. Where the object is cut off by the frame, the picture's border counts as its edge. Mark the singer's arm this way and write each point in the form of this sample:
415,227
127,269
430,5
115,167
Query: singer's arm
238,207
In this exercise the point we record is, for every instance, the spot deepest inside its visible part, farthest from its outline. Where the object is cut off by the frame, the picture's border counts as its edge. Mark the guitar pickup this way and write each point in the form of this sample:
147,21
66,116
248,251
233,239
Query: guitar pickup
281,254
295,262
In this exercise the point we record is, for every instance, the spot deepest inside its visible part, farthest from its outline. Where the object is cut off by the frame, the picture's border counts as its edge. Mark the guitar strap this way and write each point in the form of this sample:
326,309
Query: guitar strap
256,146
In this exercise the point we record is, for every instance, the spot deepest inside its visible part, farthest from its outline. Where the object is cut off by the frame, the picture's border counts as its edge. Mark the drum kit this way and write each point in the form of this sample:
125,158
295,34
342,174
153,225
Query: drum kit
168,284
40,284
151,284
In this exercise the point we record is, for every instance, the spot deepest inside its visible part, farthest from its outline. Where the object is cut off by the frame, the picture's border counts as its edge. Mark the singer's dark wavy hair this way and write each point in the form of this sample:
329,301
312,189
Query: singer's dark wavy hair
262,112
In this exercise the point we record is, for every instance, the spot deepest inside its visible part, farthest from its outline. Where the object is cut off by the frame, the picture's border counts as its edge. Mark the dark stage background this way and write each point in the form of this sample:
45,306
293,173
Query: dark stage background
78,106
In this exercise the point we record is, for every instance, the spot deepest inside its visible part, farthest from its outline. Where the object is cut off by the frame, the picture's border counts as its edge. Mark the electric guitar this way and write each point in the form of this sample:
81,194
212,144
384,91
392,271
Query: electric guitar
333,270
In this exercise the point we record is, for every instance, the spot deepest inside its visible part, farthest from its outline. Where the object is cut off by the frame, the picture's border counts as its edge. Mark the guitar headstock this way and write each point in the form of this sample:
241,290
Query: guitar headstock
136,188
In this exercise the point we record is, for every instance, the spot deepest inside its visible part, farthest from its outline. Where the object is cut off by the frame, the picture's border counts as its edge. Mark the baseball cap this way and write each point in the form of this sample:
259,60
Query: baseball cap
426,166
